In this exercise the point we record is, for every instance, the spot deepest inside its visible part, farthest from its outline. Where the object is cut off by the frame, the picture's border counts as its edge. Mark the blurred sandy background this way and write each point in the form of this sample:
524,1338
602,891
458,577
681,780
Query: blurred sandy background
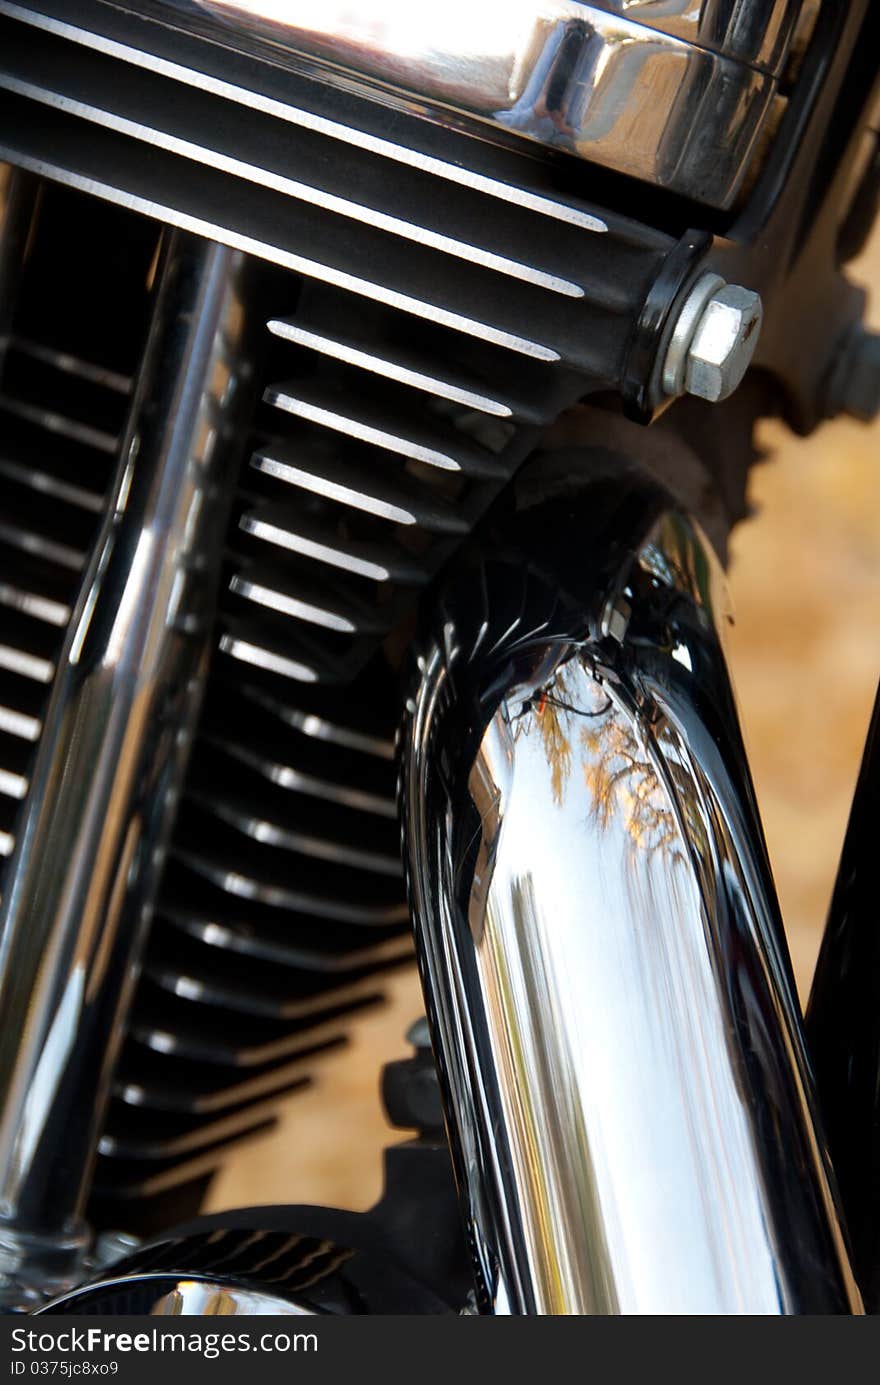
805,578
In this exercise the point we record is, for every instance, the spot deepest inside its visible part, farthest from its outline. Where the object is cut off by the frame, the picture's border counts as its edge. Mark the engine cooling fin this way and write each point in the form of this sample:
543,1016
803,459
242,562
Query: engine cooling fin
281,905
282,901
437,302
452,301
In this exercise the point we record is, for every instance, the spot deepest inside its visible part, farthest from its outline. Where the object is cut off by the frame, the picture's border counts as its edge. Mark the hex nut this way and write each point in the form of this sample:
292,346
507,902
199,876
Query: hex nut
723,343
686,322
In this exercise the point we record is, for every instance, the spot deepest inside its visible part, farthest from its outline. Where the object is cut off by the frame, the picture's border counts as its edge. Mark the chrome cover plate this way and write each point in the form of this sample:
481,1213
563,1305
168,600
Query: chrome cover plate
670,92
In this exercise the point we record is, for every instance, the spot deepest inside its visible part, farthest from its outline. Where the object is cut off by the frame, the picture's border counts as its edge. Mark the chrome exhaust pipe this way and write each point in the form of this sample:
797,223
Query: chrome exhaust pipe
613,1012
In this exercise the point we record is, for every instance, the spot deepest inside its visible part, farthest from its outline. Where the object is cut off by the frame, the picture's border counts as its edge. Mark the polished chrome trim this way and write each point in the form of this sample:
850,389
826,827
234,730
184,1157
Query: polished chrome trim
383,365
190,1045
289,605
320,728
103,790
353,427
283,897
58,423
38,607
29,542
306,479
238,937
299,191
611,1000
289,777
299,264
310,548
73,365
27,665
53,486
19,724
674,92
325,848
258,657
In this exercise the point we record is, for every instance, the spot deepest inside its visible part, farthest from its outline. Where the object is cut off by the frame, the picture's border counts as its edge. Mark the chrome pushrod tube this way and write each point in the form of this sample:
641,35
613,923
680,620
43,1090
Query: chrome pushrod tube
116,734
18,200
613,1013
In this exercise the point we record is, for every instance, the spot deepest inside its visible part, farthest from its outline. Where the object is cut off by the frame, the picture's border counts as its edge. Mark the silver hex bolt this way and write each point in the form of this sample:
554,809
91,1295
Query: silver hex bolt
713,340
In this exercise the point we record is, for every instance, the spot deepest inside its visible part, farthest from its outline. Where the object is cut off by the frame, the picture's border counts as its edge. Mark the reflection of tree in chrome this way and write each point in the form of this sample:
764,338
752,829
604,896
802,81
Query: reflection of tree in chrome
551,710
621,780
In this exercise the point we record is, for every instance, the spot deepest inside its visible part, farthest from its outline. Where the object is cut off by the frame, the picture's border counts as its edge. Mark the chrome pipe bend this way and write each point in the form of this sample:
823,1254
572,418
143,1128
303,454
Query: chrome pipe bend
612,1006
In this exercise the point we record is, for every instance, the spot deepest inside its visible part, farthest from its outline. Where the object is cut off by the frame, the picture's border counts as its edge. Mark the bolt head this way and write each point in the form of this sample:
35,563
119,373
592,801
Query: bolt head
723,343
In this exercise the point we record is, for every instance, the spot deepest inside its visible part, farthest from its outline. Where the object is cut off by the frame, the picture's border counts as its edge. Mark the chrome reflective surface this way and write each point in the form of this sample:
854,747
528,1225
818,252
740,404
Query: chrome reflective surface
171,1296
670,92
757,32
843,1021
610,997
115,738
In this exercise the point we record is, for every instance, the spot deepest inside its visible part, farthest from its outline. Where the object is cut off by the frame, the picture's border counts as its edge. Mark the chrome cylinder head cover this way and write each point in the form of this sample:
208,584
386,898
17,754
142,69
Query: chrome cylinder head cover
673,92
611,1000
